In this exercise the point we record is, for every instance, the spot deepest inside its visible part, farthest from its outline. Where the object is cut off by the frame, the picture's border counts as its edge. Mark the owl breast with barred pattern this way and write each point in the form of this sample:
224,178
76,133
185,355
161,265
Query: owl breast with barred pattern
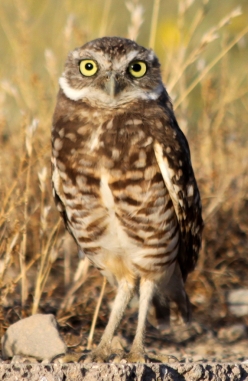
117,206
123,180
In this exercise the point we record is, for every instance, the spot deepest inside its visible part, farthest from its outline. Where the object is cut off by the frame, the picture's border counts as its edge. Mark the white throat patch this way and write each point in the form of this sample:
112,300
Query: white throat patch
99,96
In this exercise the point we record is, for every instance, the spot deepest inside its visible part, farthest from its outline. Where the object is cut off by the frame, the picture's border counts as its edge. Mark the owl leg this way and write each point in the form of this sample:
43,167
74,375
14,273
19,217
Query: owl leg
137,353
103,350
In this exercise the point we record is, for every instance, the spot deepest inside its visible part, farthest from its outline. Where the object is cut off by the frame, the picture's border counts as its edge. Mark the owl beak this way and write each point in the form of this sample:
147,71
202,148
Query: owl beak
111,85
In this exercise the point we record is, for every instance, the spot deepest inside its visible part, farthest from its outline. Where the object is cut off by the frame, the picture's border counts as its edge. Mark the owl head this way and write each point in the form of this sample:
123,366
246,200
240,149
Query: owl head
111,71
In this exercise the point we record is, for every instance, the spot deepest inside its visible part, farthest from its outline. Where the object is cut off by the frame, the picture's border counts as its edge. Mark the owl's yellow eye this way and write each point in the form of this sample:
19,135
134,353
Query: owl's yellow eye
88,68
137,69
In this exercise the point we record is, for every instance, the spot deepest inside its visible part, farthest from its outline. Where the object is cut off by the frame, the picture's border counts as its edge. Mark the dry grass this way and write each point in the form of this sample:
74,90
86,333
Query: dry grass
203,49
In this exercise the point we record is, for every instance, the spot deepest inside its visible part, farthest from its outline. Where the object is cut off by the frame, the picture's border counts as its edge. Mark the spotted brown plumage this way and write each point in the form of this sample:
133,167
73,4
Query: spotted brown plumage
123,180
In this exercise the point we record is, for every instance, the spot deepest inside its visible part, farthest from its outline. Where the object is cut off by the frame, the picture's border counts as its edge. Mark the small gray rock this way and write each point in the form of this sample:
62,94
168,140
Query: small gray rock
232,333
36,336
237,301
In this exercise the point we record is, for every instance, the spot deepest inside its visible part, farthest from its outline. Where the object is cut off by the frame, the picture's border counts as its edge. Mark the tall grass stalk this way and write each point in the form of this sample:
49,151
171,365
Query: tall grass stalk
210,66
93,324
154,24
29,147
105,18
136,12
47,258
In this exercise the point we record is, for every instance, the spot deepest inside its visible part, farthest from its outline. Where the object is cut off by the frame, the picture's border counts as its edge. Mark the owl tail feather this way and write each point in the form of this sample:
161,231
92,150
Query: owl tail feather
170,303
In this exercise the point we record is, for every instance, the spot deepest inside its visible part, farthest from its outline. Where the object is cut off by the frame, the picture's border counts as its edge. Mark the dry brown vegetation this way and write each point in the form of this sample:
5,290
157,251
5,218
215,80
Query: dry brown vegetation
202,45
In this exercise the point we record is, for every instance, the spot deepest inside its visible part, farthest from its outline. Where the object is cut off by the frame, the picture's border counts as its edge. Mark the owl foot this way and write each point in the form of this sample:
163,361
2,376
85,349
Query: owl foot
116,356
85,357
68,357
137,356
97,355
140,357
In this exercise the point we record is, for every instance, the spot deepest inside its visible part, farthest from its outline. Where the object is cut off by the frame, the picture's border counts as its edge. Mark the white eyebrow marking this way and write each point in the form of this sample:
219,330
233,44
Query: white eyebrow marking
99,96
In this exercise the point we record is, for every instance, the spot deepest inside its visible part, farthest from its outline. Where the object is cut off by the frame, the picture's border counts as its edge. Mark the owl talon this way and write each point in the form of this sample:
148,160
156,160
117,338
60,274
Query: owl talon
67,358
94,356
117,356
142,357
137,357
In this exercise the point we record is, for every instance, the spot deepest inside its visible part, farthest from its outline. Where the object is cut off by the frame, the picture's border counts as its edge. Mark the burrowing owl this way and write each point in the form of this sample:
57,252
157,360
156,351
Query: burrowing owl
123,181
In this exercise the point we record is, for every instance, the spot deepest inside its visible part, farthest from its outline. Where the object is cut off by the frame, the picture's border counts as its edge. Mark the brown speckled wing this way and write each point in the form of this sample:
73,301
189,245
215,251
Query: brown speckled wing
173,156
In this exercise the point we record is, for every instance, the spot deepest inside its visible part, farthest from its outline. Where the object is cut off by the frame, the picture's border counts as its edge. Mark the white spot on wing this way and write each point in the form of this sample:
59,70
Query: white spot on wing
109,124
57,183
58,144
190,190
133,122
71,136
147,142
62,132
115,153
167,176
